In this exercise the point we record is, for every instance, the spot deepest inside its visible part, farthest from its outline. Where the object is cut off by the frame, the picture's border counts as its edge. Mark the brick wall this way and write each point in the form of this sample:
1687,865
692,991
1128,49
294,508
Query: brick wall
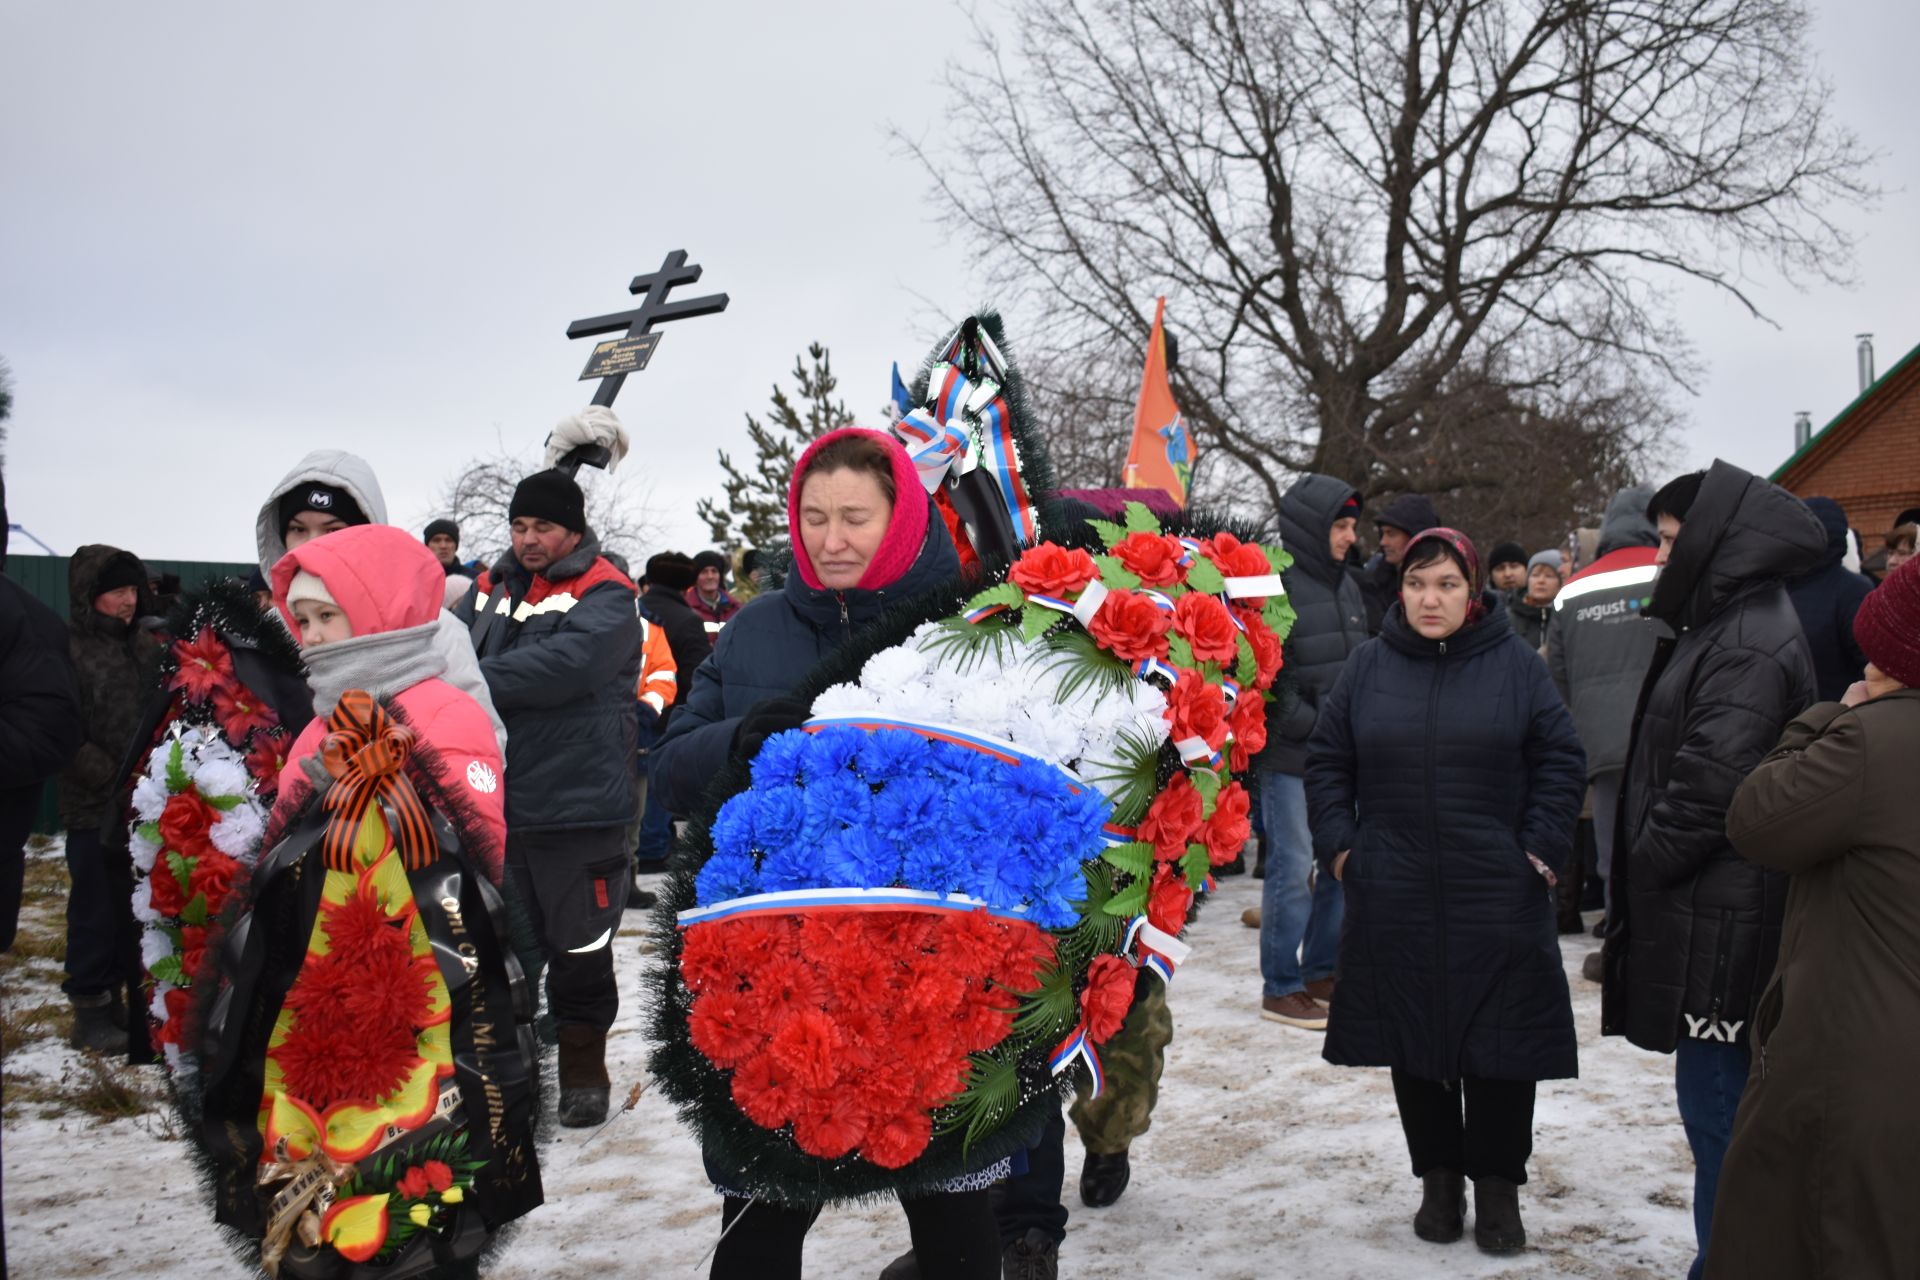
1872,467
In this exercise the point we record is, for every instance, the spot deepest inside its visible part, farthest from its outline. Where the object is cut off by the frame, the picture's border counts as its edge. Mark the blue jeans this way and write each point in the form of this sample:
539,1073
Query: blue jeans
1708,1078
656,831
1291,914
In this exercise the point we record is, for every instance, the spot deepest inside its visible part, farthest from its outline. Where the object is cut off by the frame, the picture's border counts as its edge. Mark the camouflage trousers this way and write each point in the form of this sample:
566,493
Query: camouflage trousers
1131,1063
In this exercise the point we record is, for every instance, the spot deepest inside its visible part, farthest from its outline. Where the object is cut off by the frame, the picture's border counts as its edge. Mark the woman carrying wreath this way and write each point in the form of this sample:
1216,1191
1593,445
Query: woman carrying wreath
865,537
1450,970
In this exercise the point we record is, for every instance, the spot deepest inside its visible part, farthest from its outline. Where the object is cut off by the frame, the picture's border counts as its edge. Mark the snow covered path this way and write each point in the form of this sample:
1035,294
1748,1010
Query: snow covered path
1263,1162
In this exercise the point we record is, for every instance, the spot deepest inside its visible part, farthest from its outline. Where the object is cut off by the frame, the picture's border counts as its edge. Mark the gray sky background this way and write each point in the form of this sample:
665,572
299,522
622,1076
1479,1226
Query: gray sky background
231,233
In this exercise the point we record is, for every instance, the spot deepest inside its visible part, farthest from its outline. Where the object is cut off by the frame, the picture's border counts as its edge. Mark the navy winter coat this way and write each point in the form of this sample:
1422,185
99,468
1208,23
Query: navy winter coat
1441,765
1330,621
1826,601
765,651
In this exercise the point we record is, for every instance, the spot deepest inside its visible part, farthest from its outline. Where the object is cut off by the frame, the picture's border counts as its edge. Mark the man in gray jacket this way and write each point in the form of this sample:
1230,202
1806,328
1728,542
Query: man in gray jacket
1317,518
1599,646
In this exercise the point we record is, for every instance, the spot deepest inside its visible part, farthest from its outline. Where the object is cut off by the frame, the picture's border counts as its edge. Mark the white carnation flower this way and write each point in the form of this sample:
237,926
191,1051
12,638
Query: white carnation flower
158,1006
142,905
179,1063
895,669
237,834
220,776
149,798
143,850
155,946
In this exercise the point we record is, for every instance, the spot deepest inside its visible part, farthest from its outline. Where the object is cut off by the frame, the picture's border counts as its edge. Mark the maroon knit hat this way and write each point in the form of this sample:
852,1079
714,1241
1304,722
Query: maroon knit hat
1887,628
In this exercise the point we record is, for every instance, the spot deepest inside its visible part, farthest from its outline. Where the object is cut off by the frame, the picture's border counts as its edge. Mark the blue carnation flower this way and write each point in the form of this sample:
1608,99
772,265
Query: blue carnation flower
794,867
1038,784
910,811
779,815
726,875
732,829
859,858
974,815
1001,882
840,800
777,764
938,866
1051,912
830,752
964,762
888,754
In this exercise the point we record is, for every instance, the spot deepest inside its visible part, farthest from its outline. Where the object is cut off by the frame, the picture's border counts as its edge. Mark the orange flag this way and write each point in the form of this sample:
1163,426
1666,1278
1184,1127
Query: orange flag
1162,453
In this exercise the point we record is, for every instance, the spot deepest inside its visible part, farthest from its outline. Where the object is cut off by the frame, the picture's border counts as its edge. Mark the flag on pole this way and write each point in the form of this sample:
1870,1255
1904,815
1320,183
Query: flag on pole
1162,453
902,402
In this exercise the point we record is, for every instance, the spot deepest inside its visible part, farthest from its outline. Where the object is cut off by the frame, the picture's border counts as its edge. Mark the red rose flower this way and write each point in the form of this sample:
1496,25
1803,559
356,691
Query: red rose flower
184,822
240,712
1050,570
1226,831
1131,627
1197,709
163,890
193,949
1154,558
213,874
205,665
1108,996
439,1176
1168,901
1172,818
1248,721
1237,559
179,1006
1206,625
1266,647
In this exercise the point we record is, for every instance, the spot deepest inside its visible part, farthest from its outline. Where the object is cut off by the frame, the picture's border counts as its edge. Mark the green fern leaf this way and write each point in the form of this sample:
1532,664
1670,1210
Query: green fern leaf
1247,669
1110,533
177,779
1179,652
1194,863
1004,594
1140,519
1115,574
1129,902
1034,622
1134,858
1205,576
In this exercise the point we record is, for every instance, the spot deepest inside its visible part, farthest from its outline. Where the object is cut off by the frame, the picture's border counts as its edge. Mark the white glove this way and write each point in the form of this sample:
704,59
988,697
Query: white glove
595,424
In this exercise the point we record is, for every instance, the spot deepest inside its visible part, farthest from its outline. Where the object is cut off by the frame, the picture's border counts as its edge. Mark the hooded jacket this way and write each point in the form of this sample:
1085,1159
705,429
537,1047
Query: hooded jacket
1826,600
1599,640
1380,581
1696,927
389,586
1441,765
1529,621
666,607
561,651
1330,617
115,663
769,647
349,471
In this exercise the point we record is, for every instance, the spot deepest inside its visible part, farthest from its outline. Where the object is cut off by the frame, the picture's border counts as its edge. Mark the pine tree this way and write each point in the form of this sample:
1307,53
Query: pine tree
754,511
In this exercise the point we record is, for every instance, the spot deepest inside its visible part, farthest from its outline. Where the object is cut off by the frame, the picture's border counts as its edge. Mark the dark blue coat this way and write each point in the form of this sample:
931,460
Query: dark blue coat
1826,600
1441,765
765,651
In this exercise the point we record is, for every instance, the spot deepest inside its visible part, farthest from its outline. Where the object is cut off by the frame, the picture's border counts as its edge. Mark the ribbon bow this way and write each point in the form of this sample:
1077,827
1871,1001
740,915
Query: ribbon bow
364,751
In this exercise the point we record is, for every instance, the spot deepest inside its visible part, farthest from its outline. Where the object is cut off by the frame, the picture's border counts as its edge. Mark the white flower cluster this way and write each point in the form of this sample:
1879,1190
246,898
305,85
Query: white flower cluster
1010,693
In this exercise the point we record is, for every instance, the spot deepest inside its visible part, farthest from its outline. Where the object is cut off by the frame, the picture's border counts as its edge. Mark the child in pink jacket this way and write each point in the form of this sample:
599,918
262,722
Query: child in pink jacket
364,603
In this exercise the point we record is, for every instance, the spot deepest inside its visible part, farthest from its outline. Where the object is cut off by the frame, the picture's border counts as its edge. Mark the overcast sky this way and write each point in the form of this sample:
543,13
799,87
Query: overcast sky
232,233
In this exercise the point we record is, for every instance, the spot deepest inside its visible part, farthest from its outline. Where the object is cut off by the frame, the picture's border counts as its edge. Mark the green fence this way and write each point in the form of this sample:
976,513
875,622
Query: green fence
46,578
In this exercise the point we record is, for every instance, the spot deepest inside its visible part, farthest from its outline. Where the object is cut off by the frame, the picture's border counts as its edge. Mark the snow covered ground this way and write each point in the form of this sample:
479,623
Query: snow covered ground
1263,1160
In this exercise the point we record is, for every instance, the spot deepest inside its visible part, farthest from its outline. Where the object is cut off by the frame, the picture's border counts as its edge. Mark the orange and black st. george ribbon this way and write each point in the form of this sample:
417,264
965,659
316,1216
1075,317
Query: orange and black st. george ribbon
365,751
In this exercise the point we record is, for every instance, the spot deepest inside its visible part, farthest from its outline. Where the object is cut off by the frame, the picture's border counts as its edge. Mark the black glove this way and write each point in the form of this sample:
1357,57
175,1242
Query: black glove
764,719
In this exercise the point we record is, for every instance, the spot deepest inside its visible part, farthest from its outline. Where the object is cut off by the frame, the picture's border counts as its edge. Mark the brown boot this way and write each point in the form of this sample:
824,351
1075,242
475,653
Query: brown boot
584,1087
1294,1010
1320,991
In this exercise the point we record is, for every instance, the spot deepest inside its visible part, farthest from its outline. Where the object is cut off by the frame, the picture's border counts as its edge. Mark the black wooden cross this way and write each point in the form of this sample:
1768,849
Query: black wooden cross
653,309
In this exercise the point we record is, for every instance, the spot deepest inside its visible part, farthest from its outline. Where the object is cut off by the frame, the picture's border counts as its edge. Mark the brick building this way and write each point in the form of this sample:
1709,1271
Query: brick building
1868,458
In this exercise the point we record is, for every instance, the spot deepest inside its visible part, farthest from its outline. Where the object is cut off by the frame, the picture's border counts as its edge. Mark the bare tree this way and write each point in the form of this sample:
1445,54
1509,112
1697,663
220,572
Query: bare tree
478,496
754,511
1353,205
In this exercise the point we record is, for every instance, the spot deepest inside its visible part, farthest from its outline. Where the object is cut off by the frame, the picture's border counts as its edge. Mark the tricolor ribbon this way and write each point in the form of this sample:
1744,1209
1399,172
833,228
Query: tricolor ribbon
933,445
984,612
1074,1048
1266,584
1115,834
1153,948
1231,689
1159,601
803,901
1156,667
364,751
1083,609
1196,751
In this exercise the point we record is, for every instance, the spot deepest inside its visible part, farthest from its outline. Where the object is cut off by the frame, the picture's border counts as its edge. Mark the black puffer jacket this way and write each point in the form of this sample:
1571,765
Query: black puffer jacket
1330,622
1380,581
1441,765
39,727
1529,621
116,663
1826,601
686,634
1696,927
765,651
562,663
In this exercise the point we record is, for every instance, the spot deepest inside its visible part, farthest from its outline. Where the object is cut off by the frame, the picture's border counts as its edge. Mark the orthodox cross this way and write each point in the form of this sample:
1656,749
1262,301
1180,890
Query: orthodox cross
615,360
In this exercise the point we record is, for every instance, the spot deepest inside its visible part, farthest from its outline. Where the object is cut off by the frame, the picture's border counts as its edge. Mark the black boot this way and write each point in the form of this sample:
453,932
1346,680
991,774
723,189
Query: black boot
93,1025
904,1267
1102,1179
1443,1206
584,1086
1496,1216
1034,1256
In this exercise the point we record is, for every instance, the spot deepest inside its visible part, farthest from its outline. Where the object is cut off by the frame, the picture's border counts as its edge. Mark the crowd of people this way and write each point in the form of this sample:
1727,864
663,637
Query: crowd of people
1699,717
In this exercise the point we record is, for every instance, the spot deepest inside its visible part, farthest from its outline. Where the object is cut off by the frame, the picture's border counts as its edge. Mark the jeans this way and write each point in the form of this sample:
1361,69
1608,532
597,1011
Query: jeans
95,954
1031,1198
1708,1079
656,831
1482,1128
1606,800
1291,913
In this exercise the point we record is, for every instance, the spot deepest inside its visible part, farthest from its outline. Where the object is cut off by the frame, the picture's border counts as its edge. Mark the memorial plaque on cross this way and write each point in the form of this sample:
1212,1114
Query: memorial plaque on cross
612,361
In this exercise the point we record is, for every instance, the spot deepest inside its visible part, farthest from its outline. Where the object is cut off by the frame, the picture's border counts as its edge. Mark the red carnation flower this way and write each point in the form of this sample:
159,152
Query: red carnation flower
240,712
1237,559
184,822
1028,948
1108,996
413,1184
1131,627
763,1091
897,1140
807,1046
1168,901
1206,625
1154,558
1248,721
1197,709
706,959
1172,818
829,1123
205,666
726,1027
178,1003
1226,831
1266,647
1050,570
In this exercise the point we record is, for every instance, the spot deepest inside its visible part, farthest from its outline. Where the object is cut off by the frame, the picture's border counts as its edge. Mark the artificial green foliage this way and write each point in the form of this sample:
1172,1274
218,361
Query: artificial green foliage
1135,776
992,1092
1135,857
1195,864
1180,653
1247,669
1140,519
1128,902
1111,534
1036,621
1205,577
1005,594
1084,665
963,645
1115,574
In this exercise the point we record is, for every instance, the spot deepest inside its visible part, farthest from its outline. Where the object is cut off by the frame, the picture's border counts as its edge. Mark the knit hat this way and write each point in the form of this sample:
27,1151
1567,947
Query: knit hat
1549,558
1410,513
307,586
1350,509
550,495
447,527
121,571
312,495
1507,553
1887,627
711,560
671,570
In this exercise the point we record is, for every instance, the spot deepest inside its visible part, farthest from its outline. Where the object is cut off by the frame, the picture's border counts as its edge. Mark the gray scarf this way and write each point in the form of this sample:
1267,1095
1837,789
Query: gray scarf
383,664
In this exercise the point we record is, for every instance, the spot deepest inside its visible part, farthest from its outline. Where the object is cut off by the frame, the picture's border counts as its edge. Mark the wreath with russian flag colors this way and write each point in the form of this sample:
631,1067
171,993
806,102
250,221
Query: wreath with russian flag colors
917,915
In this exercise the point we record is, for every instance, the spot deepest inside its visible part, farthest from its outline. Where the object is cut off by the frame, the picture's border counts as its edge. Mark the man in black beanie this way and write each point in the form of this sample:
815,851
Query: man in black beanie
443,539
1398,521
555,628
670,576
1507,568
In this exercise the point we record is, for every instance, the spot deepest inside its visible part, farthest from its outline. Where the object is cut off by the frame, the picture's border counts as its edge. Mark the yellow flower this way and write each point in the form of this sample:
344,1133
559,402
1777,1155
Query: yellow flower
452,1195
421,1214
